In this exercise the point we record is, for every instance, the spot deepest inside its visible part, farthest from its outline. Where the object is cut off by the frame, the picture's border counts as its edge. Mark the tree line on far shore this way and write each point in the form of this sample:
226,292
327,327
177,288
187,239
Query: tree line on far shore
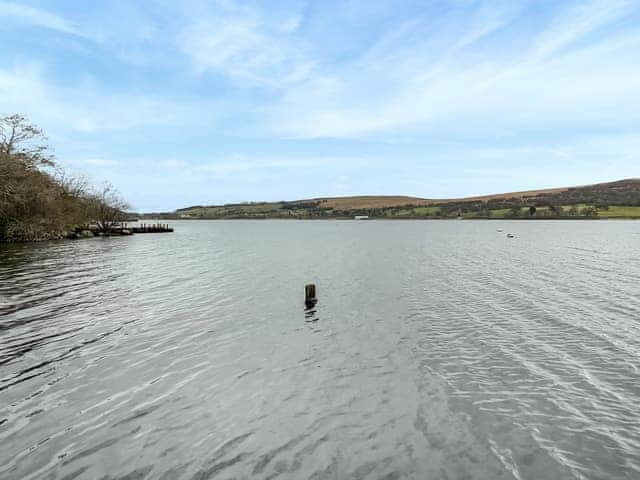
38,200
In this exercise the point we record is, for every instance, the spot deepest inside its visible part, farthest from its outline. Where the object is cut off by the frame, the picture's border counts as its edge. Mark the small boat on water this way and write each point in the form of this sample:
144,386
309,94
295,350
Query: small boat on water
499,230
510,235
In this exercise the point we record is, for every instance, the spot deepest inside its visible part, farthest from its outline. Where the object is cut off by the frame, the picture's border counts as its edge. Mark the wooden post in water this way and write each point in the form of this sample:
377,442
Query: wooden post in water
310,298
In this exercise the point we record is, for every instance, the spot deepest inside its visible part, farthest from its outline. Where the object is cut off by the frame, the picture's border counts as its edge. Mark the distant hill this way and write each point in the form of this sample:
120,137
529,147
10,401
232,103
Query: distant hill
620,199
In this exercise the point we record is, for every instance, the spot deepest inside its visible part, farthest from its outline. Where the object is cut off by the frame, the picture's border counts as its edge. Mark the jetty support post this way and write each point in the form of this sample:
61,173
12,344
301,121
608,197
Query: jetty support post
310,298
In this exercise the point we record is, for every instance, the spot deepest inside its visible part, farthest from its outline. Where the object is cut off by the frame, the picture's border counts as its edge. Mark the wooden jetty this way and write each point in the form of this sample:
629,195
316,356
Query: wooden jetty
118,229
151,228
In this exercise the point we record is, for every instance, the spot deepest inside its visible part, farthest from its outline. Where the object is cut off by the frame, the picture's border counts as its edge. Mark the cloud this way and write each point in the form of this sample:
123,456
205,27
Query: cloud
475,168
241,164
455,68
577,21
37,17
445,85
246,44
89,107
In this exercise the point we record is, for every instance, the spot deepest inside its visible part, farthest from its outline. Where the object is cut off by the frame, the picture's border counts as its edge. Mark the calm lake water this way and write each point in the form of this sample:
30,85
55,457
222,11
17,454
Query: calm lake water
438,350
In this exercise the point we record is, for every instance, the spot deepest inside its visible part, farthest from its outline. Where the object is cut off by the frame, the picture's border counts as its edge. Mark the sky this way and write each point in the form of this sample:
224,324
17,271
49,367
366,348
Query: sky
207,102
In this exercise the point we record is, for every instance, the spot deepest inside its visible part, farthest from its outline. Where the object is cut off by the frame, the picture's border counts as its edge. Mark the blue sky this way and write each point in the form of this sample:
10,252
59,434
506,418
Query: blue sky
203,102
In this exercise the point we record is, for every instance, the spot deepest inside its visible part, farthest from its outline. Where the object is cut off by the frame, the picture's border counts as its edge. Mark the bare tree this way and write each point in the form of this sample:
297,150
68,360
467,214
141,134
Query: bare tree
23,185
107,207
72,185
24,141
72,203
37,199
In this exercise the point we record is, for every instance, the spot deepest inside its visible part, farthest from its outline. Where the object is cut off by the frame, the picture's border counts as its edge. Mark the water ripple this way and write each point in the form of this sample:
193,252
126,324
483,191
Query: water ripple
437,350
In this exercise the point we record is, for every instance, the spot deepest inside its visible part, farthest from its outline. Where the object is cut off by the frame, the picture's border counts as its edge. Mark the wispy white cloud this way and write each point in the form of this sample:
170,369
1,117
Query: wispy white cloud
391,88
428,73
240,164
489,17
245,44
88,107
577,21
37,17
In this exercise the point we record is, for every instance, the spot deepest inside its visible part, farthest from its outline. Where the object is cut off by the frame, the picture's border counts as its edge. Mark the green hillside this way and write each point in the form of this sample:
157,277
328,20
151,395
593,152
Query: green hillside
619,199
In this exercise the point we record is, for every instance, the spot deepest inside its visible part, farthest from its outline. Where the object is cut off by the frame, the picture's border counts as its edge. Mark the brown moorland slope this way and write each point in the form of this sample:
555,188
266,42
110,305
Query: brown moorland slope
367,201
384,201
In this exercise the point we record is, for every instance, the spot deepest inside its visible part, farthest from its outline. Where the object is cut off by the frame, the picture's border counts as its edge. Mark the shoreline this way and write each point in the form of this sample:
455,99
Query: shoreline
81,233
68,237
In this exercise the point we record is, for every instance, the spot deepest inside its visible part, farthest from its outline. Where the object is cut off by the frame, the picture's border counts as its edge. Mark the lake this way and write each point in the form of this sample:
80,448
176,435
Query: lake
437,350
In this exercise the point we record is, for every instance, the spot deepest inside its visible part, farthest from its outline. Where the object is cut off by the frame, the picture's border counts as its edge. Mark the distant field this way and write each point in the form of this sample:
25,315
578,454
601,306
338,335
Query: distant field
616,211
577,210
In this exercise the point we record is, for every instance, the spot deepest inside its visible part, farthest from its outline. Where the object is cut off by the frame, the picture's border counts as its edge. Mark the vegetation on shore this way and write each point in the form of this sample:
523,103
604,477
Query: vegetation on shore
38,200
619,199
